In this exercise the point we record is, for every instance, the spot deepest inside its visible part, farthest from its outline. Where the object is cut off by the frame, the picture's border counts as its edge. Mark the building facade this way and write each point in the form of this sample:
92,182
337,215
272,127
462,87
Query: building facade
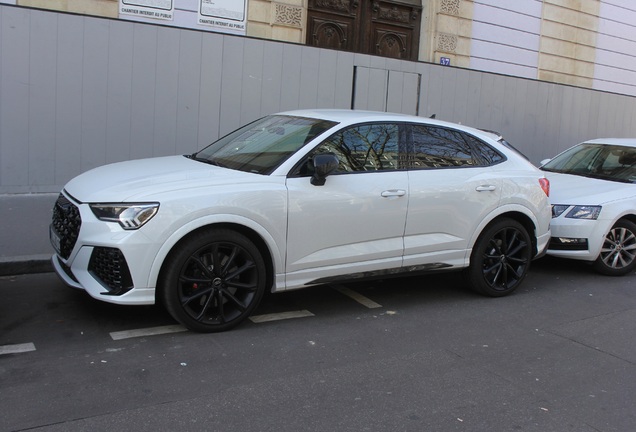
585,43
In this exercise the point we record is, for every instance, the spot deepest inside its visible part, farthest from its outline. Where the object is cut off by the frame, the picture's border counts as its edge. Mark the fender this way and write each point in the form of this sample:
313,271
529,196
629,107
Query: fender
276,254
508,208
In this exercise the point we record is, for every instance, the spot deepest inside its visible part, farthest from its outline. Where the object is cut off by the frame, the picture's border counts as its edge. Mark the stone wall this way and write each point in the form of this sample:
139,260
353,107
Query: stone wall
284,21
450,32
568,41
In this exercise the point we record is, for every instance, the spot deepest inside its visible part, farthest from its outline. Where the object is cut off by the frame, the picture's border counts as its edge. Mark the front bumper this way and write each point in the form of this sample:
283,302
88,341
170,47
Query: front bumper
107,262
578,239
78,276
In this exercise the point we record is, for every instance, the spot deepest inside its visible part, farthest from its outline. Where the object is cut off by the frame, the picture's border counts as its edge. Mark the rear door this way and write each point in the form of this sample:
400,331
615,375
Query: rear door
451,191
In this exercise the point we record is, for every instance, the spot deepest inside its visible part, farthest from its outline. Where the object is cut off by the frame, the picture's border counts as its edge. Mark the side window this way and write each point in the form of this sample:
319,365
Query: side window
489,155
367,147
436,147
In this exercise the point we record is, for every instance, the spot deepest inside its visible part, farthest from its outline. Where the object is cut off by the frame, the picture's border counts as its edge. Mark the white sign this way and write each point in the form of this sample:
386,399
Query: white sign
159,9
228,14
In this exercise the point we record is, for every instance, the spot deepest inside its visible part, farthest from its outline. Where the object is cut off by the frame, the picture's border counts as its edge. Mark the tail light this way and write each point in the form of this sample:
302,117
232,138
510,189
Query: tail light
545,185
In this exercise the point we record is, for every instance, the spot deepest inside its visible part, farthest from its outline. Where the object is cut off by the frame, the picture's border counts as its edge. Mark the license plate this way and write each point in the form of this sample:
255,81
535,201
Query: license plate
55,240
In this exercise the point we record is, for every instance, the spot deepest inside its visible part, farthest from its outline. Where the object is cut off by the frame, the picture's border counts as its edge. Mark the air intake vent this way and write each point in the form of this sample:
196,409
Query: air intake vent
109,267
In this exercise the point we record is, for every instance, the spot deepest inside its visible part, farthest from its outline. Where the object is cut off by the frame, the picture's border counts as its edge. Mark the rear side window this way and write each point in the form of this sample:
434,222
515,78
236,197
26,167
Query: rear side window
438,147
483,151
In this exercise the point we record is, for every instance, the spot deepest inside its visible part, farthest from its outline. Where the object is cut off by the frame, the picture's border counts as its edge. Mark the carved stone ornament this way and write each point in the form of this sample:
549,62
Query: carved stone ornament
446,42
288,15
450,7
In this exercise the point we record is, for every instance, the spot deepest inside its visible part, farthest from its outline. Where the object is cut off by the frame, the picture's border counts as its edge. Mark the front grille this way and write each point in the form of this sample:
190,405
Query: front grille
109,267
66,224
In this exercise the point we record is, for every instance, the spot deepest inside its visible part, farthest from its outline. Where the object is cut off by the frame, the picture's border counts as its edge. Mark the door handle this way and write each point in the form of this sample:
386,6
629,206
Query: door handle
485,188
393,193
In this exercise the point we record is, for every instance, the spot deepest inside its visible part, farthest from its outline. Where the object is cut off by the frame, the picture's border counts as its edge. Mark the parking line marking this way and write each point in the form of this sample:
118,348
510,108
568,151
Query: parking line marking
280,316
151,331
16,349
364,301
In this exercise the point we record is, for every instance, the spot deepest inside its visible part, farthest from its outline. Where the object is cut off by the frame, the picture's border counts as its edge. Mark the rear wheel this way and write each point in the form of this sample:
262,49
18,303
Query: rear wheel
213,281
618,254
500,258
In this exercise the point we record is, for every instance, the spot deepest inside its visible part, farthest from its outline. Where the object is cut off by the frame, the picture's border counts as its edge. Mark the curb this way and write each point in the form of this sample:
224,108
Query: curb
13,268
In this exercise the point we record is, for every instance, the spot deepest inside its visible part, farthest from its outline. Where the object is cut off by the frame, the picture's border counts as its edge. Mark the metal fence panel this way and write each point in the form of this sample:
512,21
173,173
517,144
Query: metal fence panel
77,92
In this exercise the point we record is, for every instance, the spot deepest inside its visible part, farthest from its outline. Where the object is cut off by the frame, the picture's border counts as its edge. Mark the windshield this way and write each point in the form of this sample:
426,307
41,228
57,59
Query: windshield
261,146
607,162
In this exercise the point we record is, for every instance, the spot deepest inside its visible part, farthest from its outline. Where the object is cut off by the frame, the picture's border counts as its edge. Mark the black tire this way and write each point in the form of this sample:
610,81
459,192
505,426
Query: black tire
618,253
500,258
213,280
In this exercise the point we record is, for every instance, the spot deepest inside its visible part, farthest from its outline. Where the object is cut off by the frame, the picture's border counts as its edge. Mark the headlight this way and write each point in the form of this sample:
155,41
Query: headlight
557,210
584,212
129,216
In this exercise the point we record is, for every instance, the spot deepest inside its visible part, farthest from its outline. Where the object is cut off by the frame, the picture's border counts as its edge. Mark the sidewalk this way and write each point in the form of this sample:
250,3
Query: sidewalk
24,239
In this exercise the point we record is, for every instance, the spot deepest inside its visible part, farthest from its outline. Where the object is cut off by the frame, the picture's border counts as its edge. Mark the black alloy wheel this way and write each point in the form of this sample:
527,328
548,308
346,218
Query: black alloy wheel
618,253
500,258
214,281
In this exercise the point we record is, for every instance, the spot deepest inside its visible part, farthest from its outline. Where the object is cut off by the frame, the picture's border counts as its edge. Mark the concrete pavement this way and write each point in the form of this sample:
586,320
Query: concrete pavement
556,356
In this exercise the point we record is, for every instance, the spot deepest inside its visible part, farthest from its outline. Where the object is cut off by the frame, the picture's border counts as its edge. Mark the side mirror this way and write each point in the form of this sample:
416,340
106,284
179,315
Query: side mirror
324,164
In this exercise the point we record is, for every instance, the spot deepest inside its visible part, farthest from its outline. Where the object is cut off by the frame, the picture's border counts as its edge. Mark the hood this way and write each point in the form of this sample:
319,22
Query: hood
573,189
140,179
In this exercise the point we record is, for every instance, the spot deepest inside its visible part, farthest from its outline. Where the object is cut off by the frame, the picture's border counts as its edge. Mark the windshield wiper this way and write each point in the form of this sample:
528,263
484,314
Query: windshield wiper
207,161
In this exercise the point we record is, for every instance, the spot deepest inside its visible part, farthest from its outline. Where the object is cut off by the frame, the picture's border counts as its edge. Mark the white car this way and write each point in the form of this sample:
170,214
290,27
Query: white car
594,204
298,199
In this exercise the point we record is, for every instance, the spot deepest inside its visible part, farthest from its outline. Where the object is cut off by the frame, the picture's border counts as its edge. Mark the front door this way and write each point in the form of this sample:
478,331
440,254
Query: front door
388,28
354,223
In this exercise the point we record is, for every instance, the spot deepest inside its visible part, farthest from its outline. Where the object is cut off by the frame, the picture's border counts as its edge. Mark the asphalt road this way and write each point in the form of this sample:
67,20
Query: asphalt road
416,354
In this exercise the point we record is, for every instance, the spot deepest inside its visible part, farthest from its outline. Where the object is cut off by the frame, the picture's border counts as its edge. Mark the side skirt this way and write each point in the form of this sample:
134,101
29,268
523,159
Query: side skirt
381,274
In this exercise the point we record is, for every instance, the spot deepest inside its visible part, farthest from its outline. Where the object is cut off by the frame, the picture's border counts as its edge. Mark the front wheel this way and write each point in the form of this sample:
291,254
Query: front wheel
618,253
500,258
213,280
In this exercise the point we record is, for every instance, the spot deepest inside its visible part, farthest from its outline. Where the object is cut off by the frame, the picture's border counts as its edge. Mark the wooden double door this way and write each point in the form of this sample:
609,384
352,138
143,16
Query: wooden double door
388,28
